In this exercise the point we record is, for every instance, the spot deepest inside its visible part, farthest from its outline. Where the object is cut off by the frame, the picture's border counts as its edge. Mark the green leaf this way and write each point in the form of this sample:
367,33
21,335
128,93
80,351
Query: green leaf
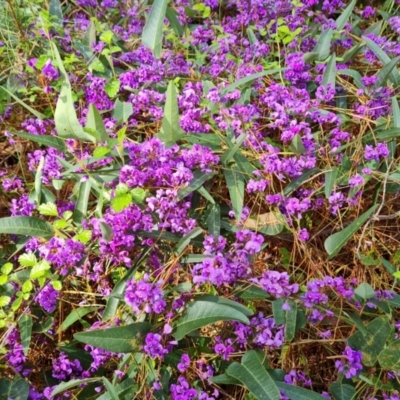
29,226
82,203
354,74
76,315
224,379
106,231
26,260
222,300
235,182
112,87
214,221
298,393
210,140
249,78
385,72
171,130
389,358
184,242
123,339
16,390
49,209
202,313
345,15
4,301
101,151
95,123
365,291
63,386
342,391
124,388
173,20
120,202
55,12
329,76
152,34
293,185
44,140
38,180
65,119
252,374
335,242
138,195
330,180
278,311
25,331
39,269
379,331
110,389
383,58
201,190
199,177
122,111
323,46
290,320
37,114
396,112
352,52
253,293
228,155
296,145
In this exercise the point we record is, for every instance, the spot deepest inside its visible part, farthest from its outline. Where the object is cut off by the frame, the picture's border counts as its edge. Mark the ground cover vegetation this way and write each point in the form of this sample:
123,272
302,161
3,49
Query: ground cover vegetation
199,199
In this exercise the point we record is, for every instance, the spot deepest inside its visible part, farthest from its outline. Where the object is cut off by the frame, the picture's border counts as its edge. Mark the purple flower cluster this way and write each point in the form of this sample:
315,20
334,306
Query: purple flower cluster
145,296
277,284
351,365
297,378
47,298
261,332
63,254
227,267
153,346
316,290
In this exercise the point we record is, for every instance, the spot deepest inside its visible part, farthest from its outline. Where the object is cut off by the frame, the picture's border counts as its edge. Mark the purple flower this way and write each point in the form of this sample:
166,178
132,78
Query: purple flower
64,368
49,71
304,235
145,296
356,180
47,298
351,365
277,284
184,364
153,346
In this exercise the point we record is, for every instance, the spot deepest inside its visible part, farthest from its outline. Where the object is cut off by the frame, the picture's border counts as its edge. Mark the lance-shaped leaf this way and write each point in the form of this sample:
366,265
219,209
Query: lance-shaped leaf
345,15
171,130
25,330
298,393
63,386
329,77
235,182
66,121
123,339
252,374
55,12
153,30
82,203
29,226
202,313
335,242
323,46
44,140
383,58
95,123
